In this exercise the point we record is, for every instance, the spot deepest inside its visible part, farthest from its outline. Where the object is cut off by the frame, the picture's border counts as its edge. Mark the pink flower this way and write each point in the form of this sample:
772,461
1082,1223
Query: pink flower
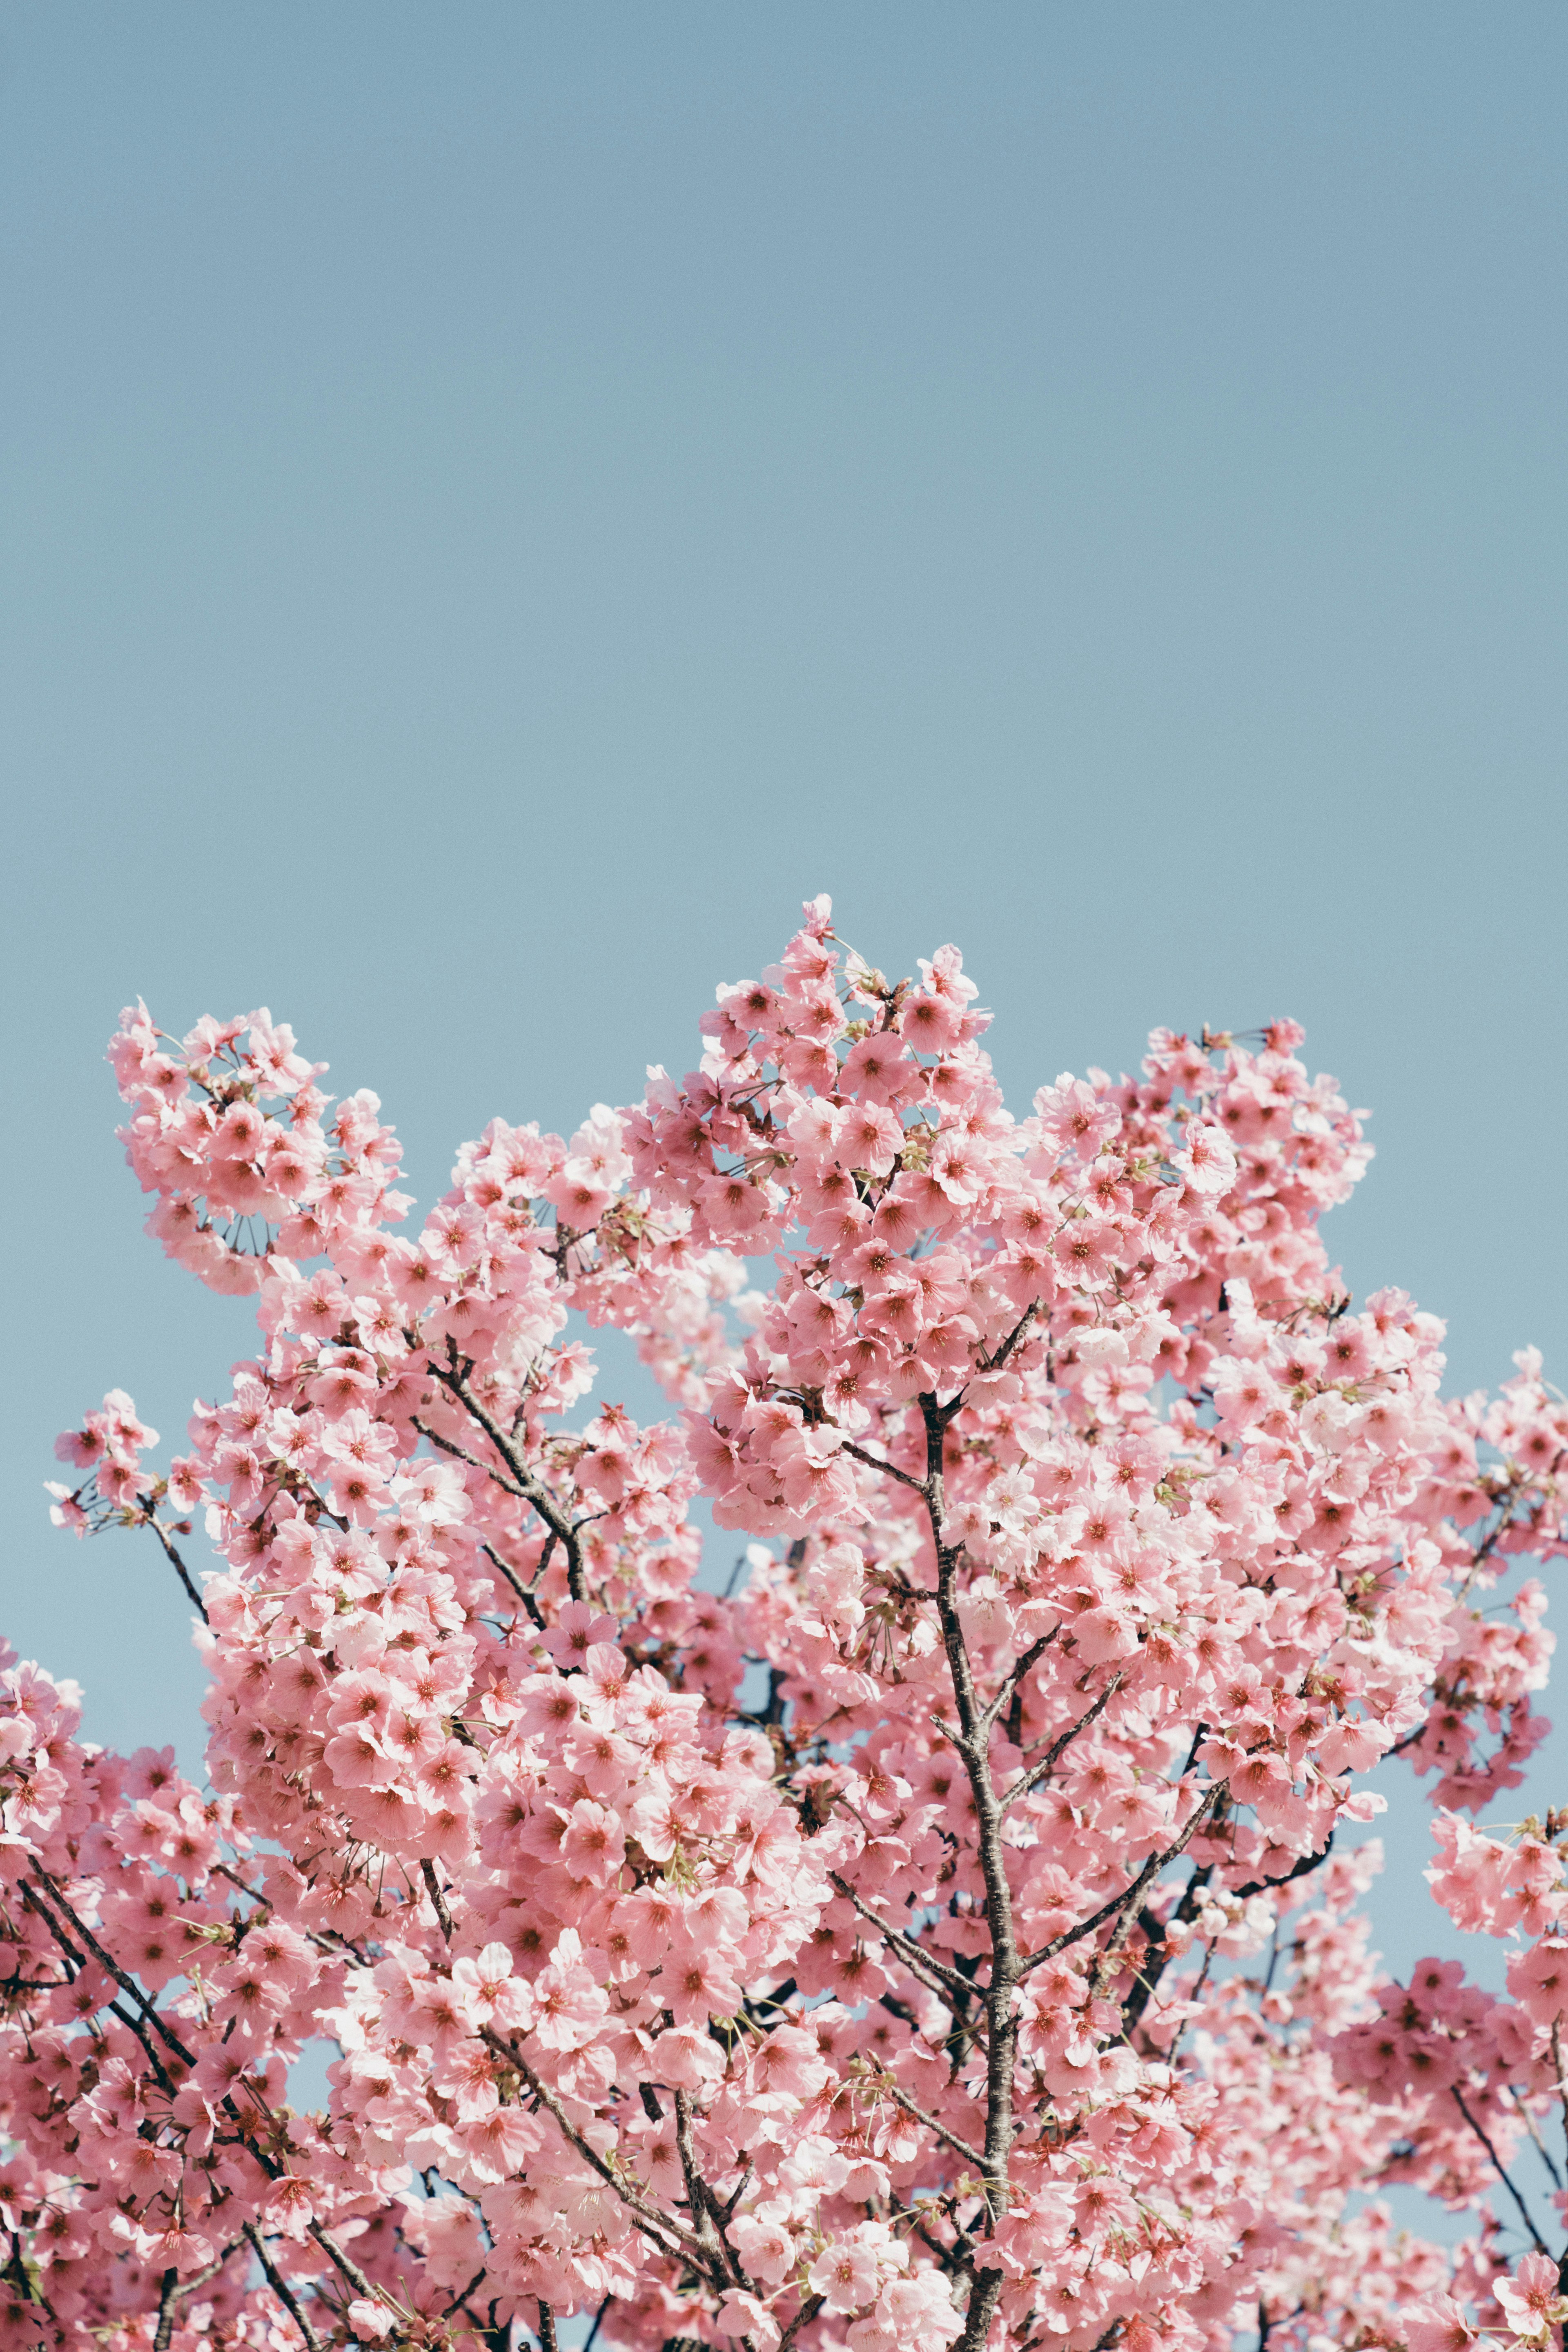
1532,2300
1438,2325
845,2274
595,1844
1091,1540
742,2314
567,2003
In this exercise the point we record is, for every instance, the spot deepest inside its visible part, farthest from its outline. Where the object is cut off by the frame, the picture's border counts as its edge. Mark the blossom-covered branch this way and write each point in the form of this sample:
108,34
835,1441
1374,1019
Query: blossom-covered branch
996,1980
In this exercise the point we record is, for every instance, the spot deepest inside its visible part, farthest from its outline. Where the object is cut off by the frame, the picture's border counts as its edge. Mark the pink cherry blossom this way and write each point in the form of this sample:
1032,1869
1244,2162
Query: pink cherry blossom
939,1935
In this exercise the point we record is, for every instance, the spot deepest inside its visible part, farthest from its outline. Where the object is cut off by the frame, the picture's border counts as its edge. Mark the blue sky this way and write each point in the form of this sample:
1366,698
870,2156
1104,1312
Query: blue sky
498,503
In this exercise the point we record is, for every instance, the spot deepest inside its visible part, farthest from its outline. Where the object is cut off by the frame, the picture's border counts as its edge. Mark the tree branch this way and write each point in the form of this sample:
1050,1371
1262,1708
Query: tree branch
1040,1772
973,1744
529,1486
165,2327
995,1364
437,1900
706,2211
281,2288
648,2217
940,1979
524,1592
1152,1868
890,1469
802,2318
128,1985
197,1604
900,2098
1501,2169
1015,1675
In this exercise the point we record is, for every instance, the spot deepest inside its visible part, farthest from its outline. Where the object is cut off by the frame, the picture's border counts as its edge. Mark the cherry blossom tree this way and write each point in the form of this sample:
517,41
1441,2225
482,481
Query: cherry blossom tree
947,1935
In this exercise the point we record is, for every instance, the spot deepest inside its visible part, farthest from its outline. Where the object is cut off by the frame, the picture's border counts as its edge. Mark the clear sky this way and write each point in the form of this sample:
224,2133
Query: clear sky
501,501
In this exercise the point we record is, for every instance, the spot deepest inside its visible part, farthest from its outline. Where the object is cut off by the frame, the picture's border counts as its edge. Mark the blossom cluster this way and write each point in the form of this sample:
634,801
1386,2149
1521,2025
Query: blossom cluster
941,1939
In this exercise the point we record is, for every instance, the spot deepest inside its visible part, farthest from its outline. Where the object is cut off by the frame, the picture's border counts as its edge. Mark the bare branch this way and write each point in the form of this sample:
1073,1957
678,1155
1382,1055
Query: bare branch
330,2248
1015,1675
706,2211
165,2327
995,1364
459,2300
974,1747
802,2318
524,1592
180,1568
655,2224
1501,2169
128,1985
437,1899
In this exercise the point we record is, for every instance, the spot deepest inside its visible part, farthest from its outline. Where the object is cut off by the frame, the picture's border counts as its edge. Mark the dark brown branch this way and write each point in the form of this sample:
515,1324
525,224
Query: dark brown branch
973,1743
706,2212
334,2252
197,1604
165,2327
1157,1952
802,2318
1123,1902
1501,2169
524,1592
1030,1779
901,2098
281,2288
528,1487
891,1469
128,1985
995,1364
1015,1674
1301,1867
659,2226
459,2300
915,1956
437,1900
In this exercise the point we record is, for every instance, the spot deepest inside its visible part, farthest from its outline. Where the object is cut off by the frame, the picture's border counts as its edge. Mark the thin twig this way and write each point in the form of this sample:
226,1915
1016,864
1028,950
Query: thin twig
1501,2169
890,1468
180,1568
1543,2151
529,1487
1015,1674
941,1979
1155,1863
128,1985
524,1592
459,2300
902,2099
655,2224
1031,1779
